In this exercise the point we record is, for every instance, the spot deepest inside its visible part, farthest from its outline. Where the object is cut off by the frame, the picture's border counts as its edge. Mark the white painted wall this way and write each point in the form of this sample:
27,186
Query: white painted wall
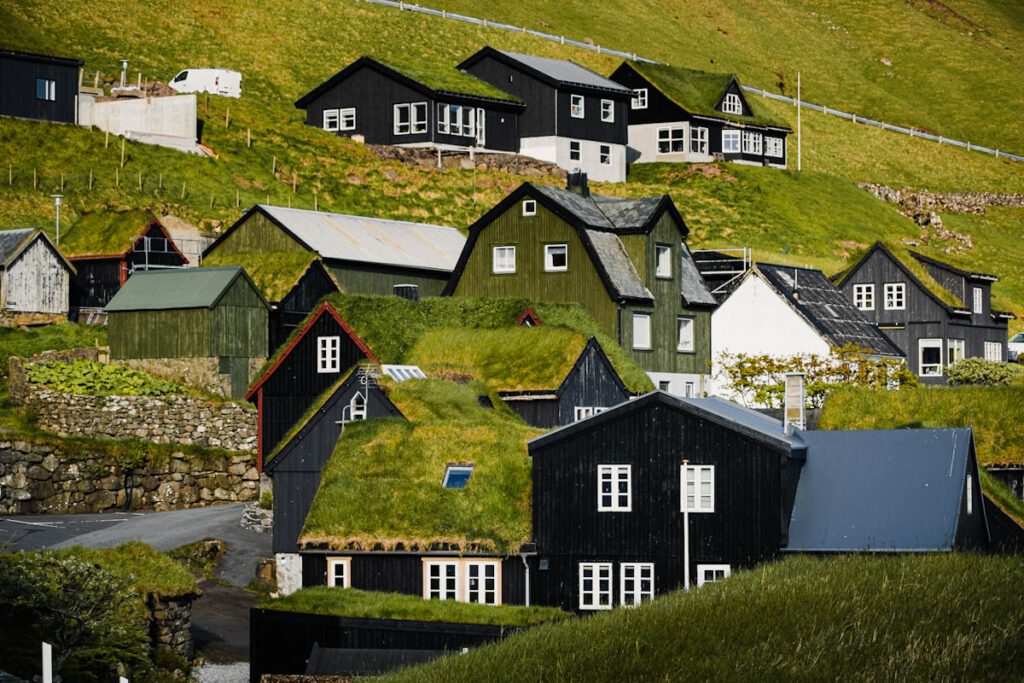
643,140
173,116
555,149
37,282
289,572
756,320
677,382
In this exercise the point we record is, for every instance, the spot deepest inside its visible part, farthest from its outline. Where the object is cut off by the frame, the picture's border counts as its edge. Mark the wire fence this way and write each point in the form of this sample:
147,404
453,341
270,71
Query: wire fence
912,132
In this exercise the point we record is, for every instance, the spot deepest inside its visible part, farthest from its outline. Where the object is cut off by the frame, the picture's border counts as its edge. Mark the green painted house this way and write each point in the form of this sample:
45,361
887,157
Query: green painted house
624,260
209,324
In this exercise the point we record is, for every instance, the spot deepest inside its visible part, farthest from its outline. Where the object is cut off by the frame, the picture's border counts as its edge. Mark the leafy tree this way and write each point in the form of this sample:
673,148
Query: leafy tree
987,372
759,380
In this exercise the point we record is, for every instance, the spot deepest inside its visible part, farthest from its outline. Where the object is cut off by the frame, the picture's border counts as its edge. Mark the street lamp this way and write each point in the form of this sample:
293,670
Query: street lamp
56,206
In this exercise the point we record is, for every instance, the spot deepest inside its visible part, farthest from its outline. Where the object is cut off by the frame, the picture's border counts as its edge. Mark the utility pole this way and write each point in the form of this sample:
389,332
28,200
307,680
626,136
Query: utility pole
798,137
686,529
56,206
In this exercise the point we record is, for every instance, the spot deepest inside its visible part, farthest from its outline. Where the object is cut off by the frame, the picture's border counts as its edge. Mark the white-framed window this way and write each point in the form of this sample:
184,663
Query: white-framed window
583,412
503,259
457,476
441,580
529,207
575,150
576,106
482,582
608,111
978,307
689,389
671,140
710,573
463,580
773,147
328,354
556,258
994,351
605,154
664,385
357,407
614,488
455,119
663,261
347,118
410,117
895,296
752,142
970,494
955,351
642,331
685,344
636,583
339,574
331,119
930,357
698,484
731,104
46,89
639,100
595,585
698,140
864,297
730,142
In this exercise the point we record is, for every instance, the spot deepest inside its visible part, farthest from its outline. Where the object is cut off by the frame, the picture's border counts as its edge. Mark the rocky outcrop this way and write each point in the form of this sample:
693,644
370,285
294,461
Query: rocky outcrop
919,202
508,163
255,518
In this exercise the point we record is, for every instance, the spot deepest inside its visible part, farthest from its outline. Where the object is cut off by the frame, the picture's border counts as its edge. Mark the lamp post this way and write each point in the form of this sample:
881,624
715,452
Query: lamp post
56,206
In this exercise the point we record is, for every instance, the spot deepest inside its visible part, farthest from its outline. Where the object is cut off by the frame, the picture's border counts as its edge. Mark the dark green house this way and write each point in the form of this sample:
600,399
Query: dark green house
209,325
624,260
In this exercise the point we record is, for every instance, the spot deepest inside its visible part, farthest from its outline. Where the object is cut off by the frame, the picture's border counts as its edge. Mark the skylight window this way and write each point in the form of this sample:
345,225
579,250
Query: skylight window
457,476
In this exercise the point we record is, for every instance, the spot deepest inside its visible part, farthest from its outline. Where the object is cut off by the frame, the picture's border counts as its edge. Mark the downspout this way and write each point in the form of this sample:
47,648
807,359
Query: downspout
526,564
618,322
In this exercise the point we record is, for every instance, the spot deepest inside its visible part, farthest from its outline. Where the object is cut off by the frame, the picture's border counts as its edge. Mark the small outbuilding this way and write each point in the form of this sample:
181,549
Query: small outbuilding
42,87
34,275
215,319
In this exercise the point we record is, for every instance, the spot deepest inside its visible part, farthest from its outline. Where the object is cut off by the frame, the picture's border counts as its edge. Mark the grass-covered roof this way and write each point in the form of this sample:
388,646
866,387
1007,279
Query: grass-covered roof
441,77
105,232
906,258
150,570
381,489
274,272
698,92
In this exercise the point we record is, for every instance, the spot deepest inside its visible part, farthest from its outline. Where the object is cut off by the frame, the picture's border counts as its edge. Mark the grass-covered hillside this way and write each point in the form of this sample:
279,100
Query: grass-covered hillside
914,618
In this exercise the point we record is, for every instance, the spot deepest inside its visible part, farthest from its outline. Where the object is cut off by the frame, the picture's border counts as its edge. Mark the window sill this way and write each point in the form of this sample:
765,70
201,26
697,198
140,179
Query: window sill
556,270
504,272
688,352
662,277
648,349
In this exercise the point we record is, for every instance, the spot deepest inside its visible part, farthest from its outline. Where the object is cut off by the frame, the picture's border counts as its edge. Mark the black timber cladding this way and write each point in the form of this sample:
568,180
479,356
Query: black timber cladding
288,313
19,73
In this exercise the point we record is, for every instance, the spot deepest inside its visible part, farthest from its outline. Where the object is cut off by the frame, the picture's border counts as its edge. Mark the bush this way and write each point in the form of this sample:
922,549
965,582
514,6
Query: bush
267,500
986,372
98,379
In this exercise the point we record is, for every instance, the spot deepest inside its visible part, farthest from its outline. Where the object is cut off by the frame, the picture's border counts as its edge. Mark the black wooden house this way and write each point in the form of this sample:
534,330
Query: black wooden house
43,87
935,313
401,102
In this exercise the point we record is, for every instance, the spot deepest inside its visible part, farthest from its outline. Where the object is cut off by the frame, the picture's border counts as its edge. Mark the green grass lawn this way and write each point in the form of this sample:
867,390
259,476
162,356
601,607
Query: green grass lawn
150,571
24,342
915,618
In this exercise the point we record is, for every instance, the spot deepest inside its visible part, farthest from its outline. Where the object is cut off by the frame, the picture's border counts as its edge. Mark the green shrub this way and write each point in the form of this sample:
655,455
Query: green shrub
986,372
267,500
99,379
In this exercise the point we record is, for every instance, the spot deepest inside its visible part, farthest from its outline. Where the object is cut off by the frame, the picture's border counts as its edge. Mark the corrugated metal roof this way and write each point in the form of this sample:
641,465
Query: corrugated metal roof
153,290
752,420
823,305
564,71
617,264
373,240
400,373
10,240
886,490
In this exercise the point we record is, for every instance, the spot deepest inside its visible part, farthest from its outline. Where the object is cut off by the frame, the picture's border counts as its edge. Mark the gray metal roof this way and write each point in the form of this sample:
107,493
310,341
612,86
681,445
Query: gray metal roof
695,290
891,490
617,264
155,290
373,240
564,71
10,240
822,304
752,420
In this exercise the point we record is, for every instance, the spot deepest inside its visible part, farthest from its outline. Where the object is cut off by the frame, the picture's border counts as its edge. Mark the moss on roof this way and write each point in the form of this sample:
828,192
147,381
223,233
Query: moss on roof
105,232
150,570
906,258
381,489
699,91
274,272
442,77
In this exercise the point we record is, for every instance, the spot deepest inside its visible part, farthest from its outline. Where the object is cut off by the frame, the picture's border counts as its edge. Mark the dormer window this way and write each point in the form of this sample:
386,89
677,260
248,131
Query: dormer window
576,106
457,476
731,104
978,306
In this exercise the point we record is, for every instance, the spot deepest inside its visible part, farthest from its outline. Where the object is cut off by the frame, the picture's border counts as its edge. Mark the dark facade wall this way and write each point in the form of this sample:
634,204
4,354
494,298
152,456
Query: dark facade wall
964,288
257,233
746,527
592,382
289,313
161,251
539,117
239,323
293,497
591,127
360,278
660,109
95,283
971,530
543,413
172,333
18,89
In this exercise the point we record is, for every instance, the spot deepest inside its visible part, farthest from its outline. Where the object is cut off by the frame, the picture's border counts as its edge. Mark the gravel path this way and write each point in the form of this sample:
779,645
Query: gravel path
223,673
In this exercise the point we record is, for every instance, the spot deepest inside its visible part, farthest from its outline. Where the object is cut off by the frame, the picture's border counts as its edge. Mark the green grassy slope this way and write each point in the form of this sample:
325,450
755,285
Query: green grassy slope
927,617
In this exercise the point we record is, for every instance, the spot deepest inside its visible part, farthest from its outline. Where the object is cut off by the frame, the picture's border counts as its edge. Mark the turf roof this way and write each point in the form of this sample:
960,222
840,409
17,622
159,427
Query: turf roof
905,257
274,272
381,489
443,78
699,91
105,232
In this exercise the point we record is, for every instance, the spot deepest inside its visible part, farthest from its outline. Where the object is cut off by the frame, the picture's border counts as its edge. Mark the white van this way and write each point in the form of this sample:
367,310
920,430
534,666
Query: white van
215,81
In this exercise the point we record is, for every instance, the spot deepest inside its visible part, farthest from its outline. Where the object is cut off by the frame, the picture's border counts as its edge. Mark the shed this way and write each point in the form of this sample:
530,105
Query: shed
34,86
195,313
34,275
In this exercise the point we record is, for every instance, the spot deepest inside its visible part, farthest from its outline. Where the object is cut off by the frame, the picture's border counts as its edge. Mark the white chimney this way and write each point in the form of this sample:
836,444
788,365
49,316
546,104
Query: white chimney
793,410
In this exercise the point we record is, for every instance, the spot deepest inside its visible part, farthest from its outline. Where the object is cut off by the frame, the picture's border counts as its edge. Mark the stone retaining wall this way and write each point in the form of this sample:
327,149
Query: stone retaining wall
200,373
426,159
38,478
949,202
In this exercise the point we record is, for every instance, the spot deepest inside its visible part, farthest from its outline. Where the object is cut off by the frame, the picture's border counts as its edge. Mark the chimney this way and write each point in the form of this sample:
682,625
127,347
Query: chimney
793,411
576,181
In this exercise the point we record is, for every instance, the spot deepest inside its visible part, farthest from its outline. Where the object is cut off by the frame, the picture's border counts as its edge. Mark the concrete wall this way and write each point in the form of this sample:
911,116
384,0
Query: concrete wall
555,149
173,116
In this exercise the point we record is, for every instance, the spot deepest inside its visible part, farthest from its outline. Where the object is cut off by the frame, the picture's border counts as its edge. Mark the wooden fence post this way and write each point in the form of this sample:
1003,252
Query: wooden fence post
90,179
35,179
183,189
122,152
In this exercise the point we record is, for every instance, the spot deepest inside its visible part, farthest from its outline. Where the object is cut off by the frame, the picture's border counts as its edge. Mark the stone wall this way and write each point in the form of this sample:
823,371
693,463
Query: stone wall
22,319
509,163
950,202
39,478
200,373
170,625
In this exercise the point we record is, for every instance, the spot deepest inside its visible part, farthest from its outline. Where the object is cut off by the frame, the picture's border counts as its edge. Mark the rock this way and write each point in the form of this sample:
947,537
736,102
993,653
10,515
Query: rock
37,473
100,500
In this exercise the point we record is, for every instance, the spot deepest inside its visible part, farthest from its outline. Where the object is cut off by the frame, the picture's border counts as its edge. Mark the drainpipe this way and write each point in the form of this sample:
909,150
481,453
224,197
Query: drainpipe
523,557
686,531
618,323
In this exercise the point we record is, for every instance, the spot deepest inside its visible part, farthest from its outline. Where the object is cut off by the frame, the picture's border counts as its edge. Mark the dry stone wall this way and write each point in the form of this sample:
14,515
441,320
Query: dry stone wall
426,159
171,624
918,201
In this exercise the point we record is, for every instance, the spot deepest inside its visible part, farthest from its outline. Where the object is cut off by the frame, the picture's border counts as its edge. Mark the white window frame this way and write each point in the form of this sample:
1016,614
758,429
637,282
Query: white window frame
618,500
864,297
345,564
457,469
956,350
444,591
635,573
328,354
583,412
703,569
663,261
347,118
970,494
474,595
549,263
774,147
332,120
595,572
730,141
689,389
577,106
604,155
414,124
732,104
578,152
701,474
49,90
895,296
922,344
639,100
608,111
979,300
357,411
645,336
698,140
501,261
529,207
993,351
674,139
686,338
752,142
